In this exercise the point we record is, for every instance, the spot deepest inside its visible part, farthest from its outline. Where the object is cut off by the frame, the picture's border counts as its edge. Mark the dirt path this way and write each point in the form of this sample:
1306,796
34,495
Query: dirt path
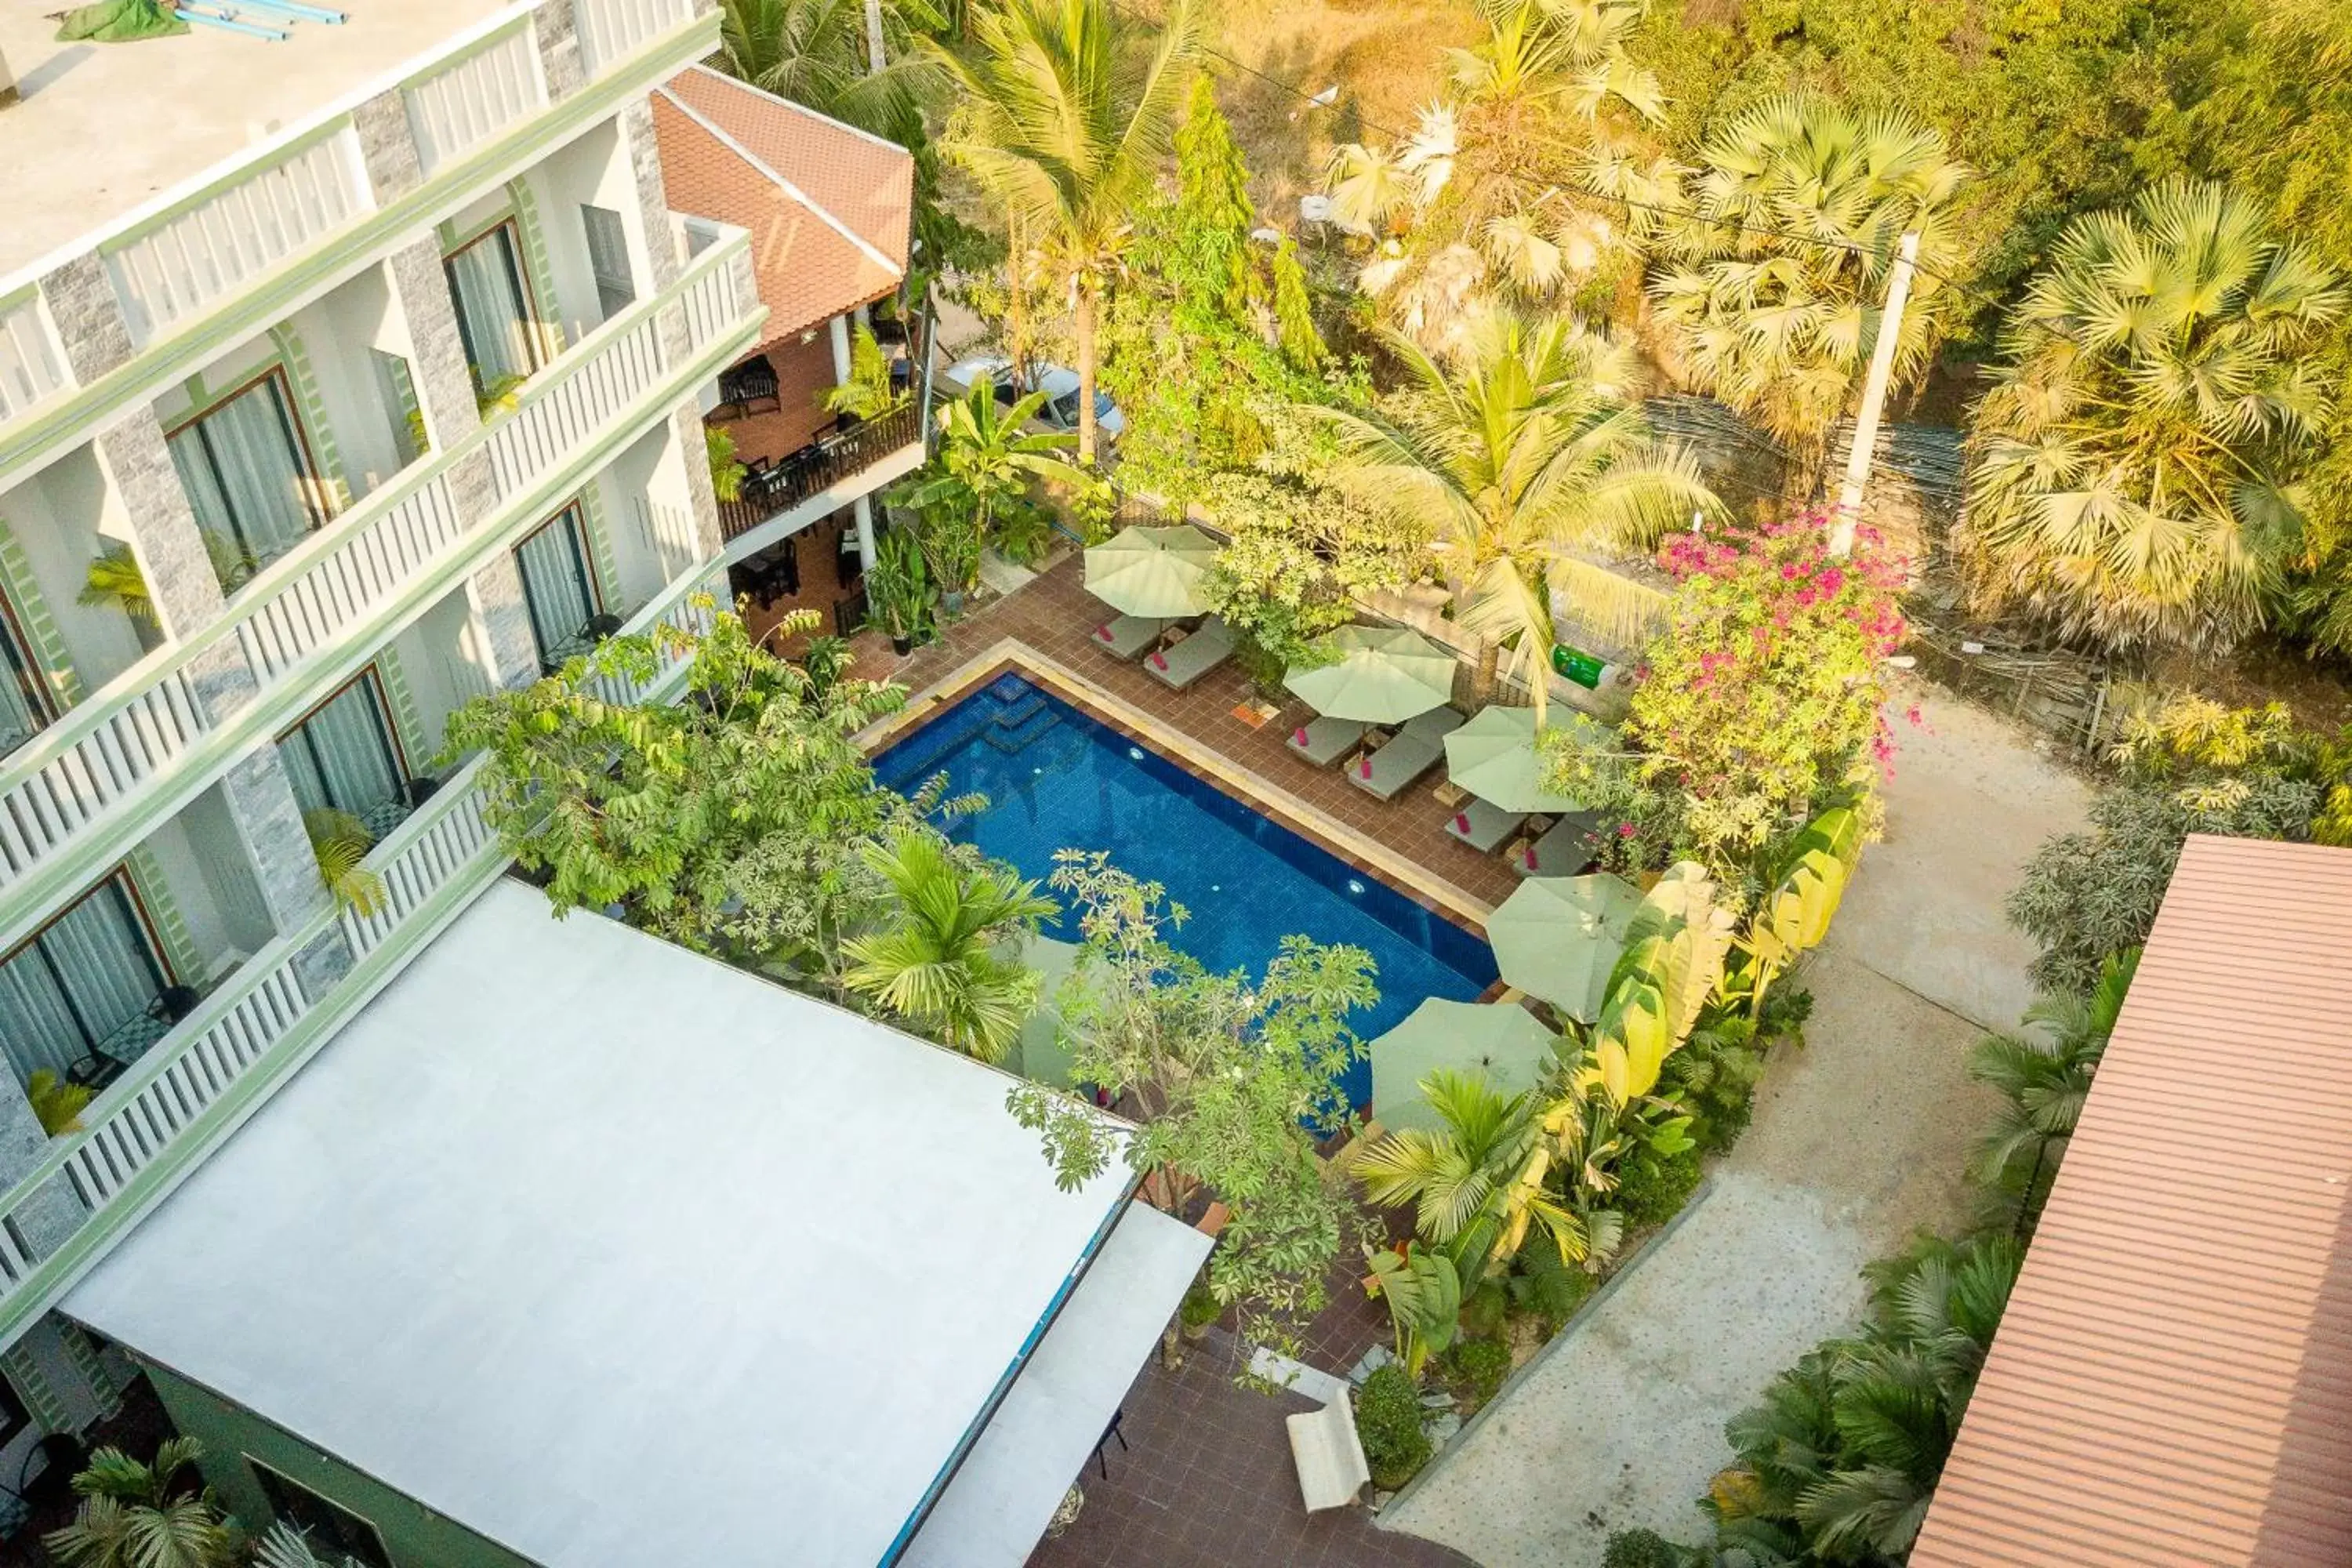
1858,1141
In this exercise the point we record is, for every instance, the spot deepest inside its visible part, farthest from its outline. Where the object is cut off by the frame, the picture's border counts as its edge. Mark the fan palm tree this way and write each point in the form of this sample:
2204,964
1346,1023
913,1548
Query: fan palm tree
1069,108
2044,1077
2133,466
136,1515
817,53
1782,328
1517,454
937,962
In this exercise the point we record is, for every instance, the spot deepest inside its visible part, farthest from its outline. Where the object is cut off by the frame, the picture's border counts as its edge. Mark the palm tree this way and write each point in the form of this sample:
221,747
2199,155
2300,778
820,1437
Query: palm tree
1069,109
1782,328
1517,454
1453,1175
2133,466
937,962
137,1516
816,52
2046,1078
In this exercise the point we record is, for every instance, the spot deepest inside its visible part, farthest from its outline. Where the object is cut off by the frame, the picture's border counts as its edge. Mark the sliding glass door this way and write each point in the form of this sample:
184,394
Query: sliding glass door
493,315
80,984
557,587
24,708
248,474
344,756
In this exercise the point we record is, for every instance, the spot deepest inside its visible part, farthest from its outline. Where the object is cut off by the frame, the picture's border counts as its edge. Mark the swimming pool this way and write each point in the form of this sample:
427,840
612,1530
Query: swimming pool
1056,778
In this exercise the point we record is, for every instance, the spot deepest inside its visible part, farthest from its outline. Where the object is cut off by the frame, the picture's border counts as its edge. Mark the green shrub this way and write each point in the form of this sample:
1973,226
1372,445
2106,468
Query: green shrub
1388,1423
1479,1366
1786,1007
1540,1283
1201,1308
1642,1549
1652,1188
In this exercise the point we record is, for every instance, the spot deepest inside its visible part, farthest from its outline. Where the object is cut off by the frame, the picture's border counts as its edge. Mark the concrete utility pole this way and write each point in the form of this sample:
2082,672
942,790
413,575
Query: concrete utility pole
874,37
1874,396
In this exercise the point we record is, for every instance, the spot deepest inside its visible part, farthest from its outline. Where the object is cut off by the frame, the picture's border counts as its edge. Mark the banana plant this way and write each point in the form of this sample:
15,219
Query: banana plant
1424,1293
1795,914
1675,947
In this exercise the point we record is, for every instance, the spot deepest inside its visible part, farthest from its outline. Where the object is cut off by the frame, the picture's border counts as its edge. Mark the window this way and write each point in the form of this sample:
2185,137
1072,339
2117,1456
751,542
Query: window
248,473
83,985
334,1529
398,390
493,311
608,259
557,587
24,708
344,756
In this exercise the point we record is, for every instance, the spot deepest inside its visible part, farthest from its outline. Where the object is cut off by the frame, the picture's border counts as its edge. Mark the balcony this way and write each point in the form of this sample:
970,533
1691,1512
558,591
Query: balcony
195,1085
240,234
825,471
74,797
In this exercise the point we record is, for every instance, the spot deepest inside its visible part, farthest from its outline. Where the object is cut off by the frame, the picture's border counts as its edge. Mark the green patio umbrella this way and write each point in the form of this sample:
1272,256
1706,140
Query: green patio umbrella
1151,571
1503,1040
1040,1055
1493,757
1385,675
1558,937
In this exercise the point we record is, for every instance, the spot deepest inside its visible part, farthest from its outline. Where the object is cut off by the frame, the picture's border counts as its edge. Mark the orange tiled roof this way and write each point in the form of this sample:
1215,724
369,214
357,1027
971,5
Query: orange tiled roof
2172,1382
829,208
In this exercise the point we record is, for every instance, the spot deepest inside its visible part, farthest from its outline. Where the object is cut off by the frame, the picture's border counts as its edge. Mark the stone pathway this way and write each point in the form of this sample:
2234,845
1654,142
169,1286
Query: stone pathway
1859,1140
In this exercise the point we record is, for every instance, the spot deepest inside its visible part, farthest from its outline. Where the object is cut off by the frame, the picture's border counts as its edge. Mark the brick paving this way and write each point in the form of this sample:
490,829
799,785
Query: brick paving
1055,616
1207,1482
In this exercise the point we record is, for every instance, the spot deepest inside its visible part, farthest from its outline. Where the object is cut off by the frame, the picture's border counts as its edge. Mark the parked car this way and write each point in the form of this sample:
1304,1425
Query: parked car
1058,382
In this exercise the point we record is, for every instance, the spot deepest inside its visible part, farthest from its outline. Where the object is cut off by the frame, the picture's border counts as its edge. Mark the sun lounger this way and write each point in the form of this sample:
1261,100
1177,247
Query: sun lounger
1386,772
1328,1453
1128,636
1563,850
1434,725
1323,741
1483,827
1178,667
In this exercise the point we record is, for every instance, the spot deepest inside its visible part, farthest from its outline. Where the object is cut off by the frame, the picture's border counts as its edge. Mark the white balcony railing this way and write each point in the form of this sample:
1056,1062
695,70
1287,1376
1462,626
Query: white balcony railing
283,625
31,370
125,737
180,268
417,858
678,608
93,766
612,30
474,100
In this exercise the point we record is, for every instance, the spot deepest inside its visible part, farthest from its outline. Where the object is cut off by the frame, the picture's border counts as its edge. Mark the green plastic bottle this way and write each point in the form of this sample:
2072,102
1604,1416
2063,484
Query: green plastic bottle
1582,667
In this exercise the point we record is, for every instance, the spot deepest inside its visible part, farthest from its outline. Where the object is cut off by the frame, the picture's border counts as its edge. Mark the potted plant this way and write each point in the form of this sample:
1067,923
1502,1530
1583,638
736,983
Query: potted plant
948,534
900,589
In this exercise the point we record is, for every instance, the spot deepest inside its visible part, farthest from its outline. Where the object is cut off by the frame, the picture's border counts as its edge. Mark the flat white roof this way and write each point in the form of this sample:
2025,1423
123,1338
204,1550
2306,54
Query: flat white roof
587,1242
104,128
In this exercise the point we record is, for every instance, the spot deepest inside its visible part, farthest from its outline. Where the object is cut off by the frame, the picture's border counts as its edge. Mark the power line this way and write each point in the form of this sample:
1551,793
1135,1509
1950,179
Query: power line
1684,213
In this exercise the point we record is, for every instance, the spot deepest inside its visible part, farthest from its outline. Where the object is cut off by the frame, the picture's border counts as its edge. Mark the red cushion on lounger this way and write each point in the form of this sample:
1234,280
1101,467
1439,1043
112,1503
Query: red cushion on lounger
1364,766
1104,633
1298,736
1462,822
1528,854
1159,662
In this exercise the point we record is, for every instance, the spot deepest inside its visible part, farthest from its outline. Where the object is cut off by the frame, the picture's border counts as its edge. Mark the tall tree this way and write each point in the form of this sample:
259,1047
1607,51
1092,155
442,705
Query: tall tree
1068,109
940,958
1517,455
2134,467
820,53
1772,299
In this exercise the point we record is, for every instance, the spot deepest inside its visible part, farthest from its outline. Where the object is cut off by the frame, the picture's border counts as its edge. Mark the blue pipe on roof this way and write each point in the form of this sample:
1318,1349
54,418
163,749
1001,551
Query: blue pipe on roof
229,22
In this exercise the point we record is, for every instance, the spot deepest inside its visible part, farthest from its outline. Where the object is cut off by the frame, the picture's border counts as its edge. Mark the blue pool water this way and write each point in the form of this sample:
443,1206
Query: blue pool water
1054,778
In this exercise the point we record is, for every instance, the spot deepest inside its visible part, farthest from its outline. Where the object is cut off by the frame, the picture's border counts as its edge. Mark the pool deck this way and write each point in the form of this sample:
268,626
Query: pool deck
1044,630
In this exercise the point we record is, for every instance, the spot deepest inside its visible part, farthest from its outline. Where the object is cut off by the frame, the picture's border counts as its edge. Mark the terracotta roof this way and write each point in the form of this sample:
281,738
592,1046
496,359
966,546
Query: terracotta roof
829,208
2172,1382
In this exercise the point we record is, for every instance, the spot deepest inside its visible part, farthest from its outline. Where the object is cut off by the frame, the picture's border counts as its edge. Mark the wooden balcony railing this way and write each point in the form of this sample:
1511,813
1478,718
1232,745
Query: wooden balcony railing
817,468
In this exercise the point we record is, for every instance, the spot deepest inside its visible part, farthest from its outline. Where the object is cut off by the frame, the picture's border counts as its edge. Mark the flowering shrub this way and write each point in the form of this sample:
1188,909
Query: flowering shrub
1759,705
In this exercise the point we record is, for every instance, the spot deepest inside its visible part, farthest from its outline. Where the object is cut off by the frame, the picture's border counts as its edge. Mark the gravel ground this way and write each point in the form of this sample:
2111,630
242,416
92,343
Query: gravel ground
1858,1141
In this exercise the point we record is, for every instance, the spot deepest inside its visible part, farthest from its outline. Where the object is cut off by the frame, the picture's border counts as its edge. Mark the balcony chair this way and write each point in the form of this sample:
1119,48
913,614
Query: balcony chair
753,381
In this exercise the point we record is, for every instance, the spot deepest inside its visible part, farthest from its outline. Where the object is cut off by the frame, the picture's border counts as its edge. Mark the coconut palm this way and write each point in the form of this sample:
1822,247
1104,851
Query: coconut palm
936,961
2133,466
1781,327
1518,454
2044,1077
816,52
1069,109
